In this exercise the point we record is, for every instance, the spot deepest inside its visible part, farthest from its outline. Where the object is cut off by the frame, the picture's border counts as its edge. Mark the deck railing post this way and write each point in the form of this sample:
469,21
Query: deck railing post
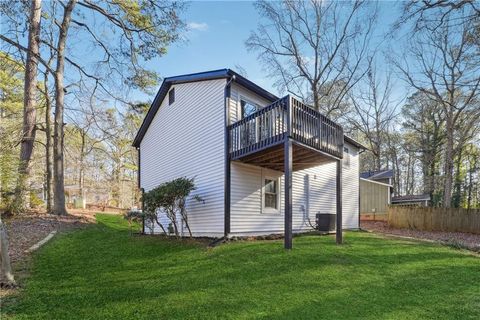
339,235
289,116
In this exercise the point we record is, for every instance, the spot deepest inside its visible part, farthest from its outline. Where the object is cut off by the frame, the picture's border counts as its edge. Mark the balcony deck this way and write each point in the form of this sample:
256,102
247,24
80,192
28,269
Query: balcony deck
286,136
259,138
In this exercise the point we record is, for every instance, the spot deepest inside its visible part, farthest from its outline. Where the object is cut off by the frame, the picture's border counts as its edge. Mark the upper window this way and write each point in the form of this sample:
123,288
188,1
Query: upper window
346,157
248,107
271,194
171,96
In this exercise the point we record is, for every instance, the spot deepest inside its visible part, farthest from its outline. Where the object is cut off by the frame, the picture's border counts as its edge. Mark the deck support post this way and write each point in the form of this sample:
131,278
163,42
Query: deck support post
339,235
227,162
288,159
227,197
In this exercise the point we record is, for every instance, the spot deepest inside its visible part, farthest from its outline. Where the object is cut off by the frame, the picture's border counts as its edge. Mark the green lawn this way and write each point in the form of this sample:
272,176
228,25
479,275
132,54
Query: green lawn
104,273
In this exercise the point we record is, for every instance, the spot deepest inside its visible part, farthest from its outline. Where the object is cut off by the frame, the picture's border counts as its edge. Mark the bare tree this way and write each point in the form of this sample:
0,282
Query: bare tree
446,68
47,126
393,153
425,121
315,49
29,105
431,14
375,110
473,174
48,145
58,136
464,136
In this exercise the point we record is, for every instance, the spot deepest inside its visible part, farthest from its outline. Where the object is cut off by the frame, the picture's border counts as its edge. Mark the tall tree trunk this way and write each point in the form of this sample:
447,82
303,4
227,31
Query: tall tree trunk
431,180
448,167
29,107
377,155
81,173
426,176
58,137
398,181
5,267
472,168
48,146
457,189
316,96
378,146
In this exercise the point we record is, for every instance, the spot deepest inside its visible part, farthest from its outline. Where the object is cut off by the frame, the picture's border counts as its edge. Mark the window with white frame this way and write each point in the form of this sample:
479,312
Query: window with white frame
270,194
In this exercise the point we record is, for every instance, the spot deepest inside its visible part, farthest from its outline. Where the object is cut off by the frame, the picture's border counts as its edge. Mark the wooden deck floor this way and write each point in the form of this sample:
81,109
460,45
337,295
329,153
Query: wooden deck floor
273,158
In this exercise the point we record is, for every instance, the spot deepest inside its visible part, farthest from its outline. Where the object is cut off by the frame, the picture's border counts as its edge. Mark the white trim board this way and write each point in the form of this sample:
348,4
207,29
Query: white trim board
373,181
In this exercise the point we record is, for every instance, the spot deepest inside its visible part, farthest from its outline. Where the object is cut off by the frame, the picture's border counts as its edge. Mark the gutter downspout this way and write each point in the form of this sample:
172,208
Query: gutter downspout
143,208
227,178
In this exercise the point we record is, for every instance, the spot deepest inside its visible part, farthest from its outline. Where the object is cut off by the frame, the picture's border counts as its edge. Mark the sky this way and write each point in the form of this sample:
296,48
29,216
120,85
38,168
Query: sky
216,40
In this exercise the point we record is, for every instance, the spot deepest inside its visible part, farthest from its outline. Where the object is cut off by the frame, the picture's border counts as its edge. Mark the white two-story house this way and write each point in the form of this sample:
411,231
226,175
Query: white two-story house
262,164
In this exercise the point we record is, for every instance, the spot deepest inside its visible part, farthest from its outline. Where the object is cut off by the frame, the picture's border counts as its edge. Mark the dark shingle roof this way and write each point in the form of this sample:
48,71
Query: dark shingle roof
201,76
377,175
411,197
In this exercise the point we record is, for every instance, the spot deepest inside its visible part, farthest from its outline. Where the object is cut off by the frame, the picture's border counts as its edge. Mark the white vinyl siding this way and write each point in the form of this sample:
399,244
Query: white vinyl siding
247,216
186,139
351,190
236,94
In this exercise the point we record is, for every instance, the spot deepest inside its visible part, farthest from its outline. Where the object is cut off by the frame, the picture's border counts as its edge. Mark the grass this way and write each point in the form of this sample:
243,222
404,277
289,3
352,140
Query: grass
104,273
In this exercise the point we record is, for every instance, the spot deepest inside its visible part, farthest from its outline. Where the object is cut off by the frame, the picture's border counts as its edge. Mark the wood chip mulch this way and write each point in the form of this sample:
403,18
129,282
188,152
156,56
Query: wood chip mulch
468,241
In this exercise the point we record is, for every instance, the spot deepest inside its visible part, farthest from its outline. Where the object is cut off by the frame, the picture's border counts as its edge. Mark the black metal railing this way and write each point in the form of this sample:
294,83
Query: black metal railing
315,130
286,117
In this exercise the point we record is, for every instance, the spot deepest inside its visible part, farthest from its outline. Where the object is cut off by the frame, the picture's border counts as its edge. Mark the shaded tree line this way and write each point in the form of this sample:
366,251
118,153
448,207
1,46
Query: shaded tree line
80,60
415,104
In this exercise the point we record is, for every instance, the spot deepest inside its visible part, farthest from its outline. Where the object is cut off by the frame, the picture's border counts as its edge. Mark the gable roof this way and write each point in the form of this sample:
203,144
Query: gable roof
377,175
203,76
376,182
193,77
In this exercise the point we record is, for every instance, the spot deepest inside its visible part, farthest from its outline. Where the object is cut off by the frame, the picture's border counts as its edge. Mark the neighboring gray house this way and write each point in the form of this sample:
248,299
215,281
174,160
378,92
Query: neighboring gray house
245,147
376,191
383,176
418,200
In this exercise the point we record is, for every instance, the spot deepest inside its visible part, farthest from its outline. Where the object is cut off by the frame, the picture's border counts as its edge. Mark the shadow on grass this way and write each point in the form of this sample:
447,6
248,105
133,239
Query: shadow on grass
104,273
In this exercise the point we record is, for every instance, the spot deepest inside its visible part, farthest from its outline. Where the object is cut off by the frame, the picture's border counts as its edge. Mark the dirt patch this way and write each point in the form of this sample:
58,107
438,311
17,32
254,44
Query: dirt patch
26,230
457,239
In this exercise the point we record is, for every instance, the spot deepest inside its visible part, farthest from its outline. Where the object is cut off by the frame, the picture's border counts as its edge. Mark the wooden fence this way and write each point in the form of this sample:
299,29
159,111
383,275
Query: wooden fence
374,217
435,219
